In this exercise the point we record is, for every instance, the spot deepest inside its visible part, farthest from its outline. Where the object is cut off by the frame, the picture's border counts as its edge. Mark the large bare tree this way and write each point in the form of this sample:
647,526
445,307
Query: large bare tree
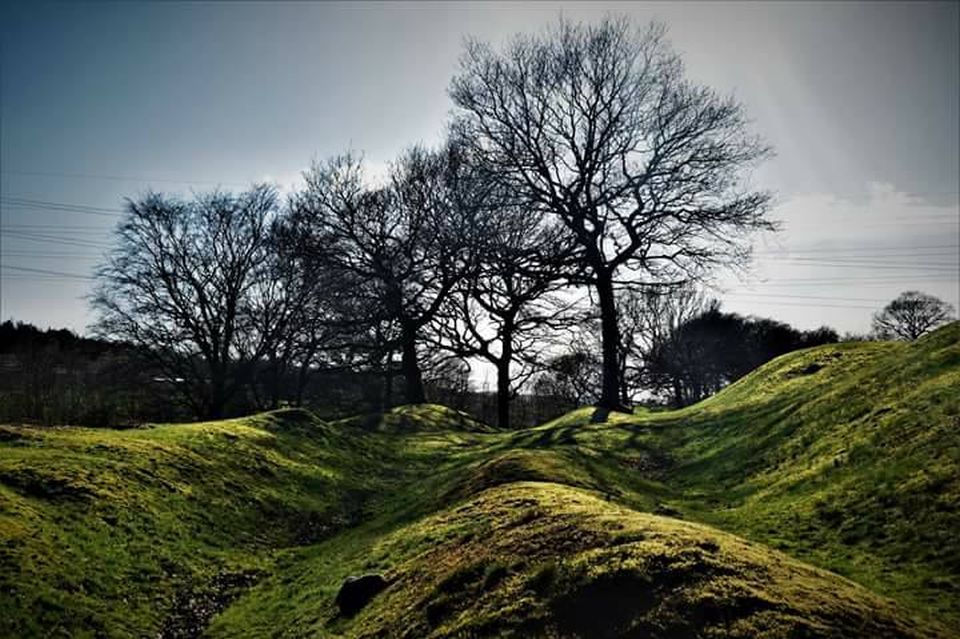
597,126
190,283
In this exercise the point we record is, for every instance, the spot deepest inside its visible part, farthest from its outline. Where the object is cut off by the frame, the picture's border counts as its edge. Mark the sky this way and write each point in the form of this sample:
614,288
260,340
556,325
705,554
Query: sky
103,101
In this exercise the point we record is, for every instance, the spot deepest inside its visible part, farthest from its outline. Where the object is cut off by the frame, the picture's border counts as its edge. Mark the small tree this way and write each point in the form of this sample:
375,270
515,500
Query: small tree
572,377
712,349
597,127
911,315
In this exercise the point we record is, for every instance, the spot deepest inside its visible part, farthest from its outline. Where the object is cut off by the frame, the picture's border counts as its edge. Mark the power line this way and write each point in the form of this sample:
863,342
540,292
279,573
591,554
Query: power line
807,297
43,255
49,239
797,261
37,278
64,207
891,277
841,306
904,222
951,248
43,271
818,305
48,203
119,178
47,228
857,286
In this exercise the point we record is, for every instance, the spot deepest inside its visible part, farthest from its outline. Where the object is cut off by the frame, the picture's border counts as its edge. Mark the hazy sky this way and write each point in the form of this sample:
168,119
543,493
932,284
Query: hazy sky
102,101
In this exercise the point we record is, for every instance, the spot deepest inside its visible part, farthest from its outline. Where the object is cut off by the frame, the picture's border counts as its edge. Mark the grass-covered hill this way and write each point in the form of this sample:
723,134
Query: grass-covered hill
817,497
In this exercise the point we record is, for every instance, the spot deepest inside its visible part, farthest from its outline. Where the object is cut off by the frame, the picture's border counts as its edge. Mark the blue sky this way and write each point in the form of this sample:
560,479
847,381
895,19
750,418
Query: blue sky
101,101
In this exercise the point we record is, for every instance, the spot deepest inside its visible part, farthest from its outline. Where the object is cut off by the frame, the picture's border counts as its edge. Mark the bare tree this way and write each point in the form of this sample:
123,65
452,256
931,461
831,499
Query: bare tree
448,381
403,246
911,315
597,126
189,283
502,312
311,332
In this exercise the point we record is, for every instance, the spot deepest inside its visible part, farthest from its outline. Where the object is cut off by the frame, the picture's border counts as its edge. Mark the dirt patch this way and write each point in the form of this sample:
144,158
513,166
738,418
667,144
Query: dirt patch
31,483
196,605
649,463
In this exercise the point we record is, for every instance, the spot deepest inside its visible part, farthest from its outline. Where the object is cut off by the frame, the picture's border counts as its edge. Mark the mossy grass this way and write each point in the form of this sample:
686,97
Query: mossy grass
837,468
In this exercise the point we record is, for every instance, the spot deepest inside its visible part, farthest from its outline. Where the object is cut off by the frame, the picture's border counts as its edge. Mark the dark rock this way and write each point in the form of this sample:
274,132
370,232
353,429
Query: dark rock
809,369
356,592
667,511
10,435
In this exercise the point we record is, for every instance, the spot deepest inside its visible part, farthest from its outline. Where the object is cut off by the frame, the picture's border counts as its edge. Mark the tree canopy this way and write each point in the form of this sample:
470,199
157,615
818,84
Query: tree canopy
910,315
597,126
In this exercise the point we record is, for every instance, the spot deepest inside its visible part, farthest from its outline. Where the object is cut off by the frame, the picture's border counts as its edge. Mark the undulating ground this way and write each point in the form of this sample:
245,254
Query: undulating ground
818,497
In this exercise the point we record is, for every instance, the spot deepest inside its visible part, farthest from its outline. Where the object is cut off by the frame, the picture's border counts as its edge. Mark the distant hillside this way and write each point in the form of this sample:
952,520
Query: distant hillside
722,519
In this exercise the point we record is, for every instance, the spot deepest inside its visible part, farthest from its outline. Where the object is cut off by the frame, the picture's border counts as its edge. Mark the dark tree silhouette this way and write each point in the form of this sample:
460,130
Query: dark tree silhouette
189,283
403,247
311,333
572,377
713,349
503,312
597,126
648,318
911,315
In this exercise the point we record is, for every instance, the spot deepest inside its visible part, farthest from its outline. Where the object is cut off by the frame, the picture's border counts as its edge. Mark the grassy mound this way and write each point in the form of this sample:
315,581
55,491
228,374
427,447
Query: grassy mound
846,456
544,560
111,532
417,418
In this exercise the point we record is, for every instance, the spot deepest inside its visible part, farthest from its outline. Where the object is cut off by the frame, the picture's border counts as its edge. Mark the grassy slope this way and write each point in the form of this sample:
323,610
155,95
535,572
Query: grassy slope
852,466
863,477
541,559
105,531
847,456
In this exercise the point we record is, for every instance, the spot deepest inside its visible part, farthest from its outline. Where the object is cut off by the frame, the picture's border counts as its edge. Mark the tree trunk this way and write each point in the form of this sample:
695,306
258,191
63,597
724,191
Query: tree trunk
610,338
275,382
503,375
503,394
624,389
218,392
411,368
388,382
303,374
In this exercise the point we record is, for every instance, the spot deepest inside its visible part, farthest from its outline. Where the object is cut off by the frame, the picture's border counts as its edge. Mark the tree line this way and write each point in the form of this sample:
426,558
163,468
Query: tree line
679,347
584,187
580,158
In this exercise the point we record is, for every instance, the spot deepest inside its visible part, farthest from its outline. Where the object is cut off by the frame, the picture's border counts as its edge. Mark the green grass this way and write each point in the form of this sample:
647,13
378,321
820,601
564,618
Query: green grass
818,496
541,559
100,531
